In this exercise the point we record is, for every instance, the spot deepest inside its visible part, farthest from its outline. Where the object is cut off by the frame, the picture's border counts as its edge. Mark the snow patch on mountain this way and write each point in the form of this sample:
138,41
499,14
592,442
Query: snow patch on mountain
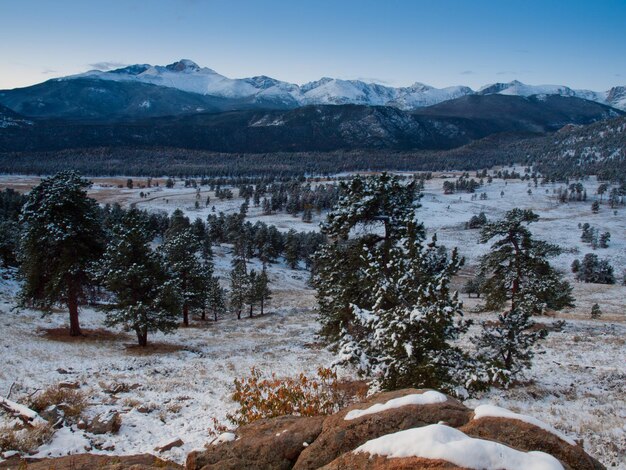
188,76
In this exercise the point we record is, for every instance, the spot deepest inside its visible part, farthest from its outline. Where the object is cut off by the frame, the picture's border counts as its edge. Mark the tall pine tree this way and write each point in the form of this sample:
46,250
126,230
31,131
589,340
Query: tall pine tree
61,236
181,250
146,296
518,277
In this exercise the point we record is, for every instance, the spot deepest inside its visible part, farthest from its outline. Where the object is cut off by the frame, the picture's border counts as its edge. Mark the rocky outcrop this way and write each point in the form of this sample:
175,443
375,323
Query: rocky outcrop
400,430
90,462
526,436
340,435
272,444
407,425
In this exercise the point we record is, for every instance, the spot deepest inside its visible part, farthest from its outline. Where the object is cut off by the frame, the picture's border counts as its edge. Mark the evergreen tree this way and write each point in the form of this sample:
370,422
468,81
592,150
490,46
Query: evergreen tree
517,266
516,271
596,312
61,236
263,292
180,251
292,249
146,297
238,285
251,291
592,269
215,300
384,295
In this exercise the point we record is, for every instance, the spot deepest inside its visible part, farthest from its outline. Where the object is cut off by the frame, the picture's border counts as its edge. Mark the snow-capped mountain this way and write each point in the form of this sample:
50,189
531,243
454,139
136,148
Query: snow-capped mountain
186,75
183,87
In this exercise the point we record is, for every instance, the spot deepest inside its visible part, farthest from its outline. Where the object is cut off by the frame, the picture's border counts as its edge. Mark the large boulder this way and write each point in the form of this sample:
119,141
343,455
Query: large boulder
529,437
381,414
268,444
90,462
438,446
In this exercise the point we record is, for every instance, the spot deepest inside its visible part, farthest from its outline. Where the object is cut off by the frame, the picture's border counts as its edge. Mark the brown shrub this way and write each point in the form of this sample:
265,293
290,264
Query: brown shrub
24,438
71,402
260,397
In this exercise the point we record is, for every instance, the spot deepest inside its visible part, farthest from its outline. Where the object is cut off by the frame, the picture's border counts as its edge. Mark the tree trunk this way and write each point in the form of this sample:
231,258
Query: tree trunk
72,304
239,314
186,314
250,310
203,314
261,306
142,336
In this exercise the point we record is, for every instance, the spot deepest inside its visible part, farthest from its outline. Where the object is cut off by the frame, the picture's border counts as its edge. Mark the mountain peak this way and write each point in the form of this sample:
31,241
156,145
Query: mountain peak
183,65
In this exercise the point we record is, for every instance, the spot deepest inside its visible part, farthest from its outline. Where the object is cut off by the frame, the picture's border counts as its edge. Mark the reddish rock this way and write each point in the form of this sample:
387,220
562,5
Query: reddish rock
268,444
363,461
528,437
340,436
91,462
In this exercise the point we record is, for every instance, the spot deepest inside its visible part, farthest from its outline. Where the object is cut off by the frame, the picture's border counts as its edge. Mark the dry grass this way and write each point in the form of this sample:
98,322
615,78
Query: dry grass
153,348
71,402
24,438
89,335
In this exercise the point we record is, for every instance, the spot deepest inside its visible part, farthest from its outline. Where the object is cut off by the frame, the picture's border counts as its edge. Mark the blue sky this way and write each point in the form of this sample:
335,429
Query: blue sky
441,42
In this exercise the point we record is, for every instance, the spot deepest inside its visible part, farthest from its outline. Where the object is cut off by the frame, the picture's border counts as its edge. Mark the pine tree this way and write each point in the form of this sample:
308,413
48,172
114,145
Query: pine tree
517,273
238,285
251,290
215,300
383,295
146,296
292,249
596,312
263,292
61,237
180,252
517,266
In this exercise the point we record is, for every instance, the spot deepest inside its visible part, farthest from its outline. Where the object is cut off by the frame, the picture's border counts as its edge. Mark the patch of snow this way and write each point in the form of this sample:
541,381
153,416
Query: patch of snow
437,441
427,398
66,441
224,437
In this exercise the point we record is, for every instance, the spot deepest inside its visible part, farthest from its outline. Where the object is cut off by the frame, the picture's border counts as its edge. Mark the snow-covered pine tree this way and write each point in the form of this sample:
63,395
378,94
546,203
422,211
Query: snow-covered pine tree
517,266
292,249
384,295
517,274
263,291
251,290
238,285
146,296
215,300
180,250
596,312
61,236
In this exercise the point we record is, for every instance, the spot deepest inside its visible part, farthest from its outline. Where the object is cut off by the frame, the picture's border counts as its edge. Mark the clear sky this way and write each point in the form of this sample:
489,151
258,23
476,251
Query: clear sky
440,42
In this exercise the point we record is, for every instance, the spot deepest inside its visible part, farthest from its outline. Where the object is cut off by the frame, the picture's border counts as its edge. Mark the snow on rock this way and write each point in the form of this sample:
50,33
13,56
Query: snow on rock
437,441
224,437
483,411
65,441
427,398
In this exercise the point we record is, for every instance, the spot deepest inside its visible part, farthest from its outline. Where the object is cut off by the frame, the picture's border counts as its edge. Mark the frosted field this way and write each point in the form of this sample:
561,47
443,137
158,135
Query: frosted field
576,385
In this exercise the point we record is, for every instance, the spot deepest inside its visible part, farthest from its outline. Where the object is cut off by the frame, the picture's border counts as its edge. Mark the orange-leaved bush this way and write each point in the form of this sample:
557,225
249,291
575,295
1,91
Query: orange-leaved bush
260,397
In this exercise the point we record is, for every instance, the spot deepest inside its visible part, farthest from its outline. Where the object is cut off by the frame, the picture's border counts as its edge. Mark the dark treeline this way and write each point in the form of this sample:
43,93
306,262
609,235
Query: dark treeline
184,163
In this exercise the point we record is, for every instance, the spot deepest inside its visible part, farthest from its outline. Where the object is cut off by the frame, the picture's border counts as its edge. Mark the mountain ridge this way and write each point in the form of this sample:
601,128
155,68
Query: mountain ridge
184,87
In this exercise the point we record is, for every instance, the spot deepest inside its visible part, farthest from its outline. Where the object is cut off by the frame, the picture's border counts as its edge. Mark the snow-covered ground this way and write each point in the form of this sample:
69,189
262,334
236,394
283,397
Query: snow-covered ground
576,385
178,385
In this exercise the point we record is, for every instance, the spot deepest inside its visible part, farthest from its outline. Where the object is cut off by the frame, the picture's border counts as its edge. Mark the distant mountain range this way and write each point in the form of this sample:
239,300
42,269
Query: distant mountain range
140,91
311,128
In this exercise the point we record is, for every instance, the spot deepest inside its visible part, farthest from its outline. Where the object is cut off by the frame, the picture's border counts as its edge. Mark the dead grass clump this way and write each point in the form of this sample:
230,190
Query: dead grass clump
24,438
89,335
70,401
